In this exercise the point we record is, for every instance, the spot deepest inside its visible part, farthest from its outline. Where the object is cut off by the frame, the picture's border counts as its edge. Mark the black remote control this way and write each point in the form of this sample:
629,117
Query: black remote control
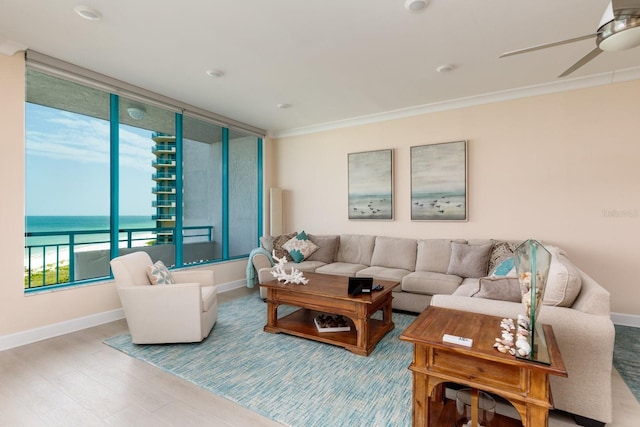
377,288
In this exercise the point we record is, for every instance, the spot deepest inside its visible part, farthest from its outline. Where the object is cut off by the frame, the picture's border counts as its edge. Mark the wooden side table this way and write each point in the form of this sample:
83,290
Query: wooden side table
525,384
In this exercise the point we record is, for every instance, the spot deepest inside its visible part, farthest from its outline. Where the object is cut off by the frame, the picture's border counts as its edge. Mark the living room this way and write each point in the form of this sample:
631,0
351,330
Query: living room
557,166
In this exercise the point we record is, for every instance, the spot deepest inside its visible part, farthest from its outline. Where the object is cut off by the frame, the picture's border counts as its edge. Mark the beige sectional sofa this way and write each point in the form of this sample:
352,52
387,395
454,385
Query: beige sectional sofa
456,273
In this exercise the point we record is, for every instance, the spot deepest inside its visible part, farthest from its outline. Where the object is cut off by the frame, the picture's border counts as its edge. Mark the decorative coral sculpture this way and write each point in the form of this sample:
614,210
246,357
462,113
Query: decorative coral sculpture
295,276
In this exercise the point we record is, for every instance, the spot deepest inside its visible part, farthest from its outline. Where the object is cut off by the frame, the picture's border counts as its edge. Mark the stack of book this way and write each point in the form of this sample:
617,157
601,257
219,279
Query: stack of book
332,323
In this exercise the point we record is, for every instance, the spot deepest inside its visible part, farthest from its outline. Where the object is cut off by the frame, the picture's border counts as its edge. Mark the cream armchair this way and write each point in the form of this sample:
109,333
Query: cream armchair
182,312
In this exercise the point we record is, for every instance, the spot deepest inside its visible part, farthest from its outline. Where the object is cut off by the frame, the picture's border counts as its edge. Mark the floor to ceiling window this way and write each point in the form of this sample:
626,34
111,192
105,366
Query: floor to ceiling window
103,169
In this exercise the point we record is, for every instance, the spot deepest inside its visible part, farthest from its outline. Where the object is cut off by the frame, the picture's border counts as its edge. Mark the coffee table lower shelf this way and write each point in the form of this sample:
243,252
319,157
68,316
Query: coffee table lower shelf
300,323
444,414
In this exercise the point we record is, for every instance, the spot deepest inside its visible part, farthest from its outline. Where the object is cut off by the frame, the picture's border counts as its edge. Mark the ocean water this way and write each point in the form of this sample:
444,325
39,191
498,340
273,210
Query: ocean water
64,224
93,234
370,206
438,207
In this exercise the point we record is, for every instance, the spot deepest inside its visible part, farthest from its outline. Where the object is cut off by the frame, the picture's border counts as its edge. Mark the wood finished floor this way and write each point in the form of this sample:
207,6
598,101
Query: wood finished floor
76,380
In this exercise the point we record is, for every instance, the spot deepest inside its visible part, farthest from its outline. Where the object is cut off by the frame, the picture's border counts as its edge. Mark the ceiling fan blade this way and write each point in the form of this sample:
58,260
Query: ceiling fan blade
588,57
547,45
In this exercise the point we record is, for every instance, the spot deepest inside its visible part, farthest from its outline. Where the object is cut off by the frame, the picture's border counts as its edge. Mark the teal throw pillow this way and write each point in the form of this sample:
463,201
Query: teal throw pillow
300,247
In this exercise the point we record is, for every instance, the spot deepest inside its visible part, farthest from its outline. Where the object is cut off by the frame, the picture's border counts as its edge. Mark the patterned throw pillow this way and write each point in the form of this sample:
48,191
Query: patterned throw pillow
278,242
300,247
499,252
159,274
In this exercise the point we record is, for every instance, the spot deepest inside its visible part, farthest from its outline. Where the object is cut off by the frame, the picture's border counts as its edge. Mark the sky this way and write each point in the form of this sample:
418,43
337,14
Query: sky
370,172
67,165
439,168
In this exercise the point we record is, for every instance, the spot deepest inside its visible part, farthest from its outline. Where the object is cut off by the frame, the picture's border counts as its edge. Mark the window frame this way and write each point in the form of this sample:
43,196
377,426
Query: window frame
114,168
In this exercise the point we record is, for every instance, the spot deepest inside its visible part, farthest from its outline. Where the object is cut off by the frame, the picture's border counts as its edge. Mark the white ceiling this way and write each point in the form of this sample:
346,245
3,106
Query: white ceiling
332,60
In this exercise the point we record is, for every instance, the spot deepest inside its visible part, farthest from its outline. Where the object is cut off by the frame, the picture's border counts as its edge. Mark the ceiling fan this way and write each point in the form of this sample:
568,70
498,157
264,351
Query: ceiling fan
619,29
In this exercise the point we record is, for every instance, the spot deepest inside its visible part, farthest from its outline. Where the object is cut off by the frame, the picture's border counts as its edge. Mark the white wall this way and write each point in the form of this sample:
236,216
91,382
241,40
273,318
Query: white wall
18,312
552,167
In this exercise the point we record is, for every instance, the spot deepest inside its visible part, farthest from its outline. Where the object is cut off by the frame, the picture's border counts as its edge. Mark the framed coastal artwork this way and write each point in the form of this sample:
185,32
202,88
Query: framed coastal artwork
439,182
371,185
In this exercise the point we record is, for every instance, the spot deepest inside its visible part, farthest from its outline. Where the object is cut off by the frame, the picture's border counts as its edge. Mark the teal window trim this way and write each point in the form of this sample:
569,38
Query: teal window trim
178,238
225,193
114,168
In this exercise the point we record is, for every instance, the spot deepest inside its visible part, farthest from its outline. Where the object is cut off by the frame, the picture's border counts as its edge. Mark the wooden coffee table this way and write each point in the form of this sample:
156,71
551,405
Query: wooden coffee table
328,294
525,384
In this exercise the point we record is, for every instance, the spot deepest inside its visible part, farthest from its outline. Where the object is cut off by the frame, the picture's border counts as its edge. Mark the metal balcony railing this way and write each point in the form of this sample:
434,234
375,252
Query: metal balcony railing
163,189
163,176
164,148
46,265
163,162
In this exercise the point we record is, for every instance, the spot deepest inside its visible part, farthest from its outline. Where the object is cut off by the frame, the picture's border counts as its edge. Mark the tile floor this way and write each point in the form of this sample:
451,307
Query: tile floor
76,380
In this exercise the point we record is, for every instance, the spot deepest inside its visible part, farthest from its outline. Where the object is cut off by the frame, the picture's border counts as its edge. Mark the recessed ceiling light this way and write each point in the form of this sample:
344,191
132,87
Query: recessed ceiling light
283,105
215,73
445,68
415,6
88,13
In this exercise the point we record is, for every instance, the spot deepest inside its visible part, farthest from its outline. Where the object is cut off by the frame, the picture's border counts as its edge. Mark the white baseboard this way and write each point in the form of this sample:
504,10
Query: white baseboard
45,332
626,319
229,286
50,331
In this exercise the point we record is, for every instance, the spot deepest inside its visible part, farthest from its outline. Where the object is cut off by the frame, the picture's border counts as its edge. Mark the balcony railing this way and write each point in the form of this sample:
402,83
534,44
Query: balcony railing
164,148
53,263
163,162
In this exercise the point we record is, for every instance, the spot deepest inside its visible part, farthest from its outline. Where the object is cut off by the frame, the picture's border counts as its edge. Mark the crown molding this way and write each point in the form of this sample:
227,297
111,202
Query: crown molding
507,95
9,47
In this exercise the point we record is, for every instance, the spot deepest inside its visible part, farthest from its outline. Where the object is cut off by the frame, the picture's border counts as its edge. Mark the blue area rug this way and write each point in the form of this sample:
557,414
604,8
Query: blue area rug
626,357
291,380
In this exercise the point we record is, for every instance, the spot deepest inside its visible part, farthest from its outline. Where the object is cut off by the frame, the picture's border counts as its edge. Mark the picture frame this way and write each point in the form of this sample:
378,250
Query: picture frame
370,189
439,182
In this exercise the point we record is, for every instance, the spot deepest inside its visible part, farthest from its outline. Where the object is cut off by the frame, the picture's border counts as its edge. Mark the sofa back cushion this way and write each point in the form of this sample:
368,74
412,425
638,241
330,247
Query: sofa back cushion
469,260
355,249
394,252
327,248
563,282
434,255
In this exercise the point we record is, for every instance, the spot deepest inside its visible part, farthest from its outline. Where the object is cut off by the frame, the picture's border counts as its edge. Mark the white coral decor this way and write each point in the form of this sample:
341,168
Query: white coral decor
281,275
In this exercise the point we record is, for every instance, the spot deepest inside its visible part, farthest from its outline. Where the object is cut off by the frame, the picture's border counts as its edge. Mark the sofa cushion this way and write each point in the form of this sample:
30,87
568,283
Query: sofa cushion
383,273
394,252
266,242
467,288
355,249
563,282
300,247
434,255
341,268
159,274
430,283
327,248
499,288
469,260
